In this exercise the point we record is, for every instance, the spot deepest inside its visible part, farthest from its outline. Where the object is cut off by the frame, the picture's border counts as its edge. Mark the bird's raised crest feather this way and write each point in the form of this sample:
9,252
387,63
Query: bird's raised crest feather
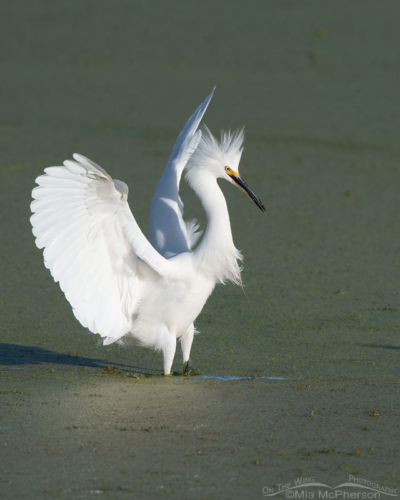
227,150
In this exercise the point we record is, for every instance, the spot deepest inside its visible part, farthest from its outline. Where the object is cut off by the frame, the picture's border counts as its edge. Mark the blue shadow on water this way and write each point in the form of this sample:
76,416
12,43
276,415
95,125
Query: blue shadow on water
17,355
230,378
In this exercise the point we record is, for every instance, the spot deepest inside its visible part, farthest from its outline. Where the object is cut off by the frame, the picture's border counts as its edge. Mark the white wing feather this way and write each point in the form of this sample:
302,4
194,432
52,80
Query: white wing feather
169,233
92,244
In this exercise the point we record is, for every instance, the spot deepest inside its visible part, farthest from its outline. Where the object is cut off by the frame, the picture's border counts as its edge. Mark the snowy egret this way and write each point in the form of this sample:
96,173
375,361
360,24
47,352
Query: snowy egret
117,281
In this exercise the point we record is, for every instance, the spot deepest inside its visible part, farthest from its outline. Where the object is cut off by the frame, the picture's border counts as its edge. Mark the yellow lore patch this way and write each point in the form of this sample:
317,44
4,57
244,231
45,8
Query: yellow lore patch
229,171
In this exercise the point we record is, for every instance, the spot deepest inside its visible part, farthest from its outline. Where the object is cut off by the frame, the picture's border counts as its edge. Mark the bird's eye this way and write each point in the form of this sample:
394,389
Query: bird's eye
228,170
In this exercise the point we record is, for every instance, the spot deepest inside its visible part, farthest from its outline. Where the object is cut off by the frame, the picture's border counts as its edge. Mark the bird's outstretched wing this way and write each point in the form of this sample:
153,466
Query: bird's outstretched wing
93,245
169,233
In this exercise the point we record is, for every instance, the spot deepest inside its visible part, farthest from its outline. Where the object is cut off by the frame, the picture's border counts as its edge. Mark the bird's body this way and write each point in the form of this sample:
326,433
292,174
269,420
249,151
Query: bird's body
119,283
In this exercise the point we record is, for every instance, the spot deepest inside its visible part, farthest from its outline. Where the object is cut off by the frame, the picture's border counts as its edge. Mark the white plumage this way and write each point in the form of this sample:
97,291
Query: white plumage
117,282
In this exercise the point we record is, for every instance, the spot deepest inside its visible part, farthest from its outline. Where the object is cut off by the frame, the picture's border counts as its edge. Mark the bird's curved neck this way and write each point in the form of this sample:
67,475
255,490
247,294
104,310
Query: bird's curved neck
216,254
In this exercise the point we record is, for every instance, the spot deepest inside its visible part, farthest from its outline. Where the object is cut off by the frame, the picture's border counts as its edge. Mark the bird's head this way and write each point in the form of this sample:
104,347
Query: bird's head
221,159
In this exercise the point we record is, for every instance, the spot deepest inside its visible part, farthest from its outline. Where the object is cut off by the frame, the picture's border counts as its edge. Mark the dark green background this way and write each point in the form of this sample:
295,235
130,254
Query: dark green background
316,83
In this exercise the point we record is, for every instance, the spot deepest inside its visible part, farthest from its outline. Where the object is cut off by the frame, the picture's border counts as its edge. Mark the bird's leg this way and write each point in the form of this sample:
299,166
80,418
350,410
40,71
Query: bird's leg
168,350
186,344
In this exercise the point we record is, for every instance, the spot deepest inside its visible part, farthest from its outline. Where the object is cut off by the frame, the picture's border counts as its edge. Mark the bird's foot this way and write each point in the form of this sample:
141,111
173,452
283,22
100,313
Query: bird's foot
188,369
187,366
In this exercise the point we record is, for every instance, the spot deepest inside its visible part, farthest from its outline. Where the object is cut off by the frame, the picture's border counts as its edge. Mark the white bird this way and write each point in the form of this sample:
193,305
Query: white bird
117,282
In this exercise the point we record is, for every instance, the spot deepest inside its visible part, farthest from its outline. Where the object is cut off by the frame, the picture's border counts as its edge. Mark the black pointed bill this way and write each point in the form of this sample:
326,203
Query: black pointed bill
244,186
